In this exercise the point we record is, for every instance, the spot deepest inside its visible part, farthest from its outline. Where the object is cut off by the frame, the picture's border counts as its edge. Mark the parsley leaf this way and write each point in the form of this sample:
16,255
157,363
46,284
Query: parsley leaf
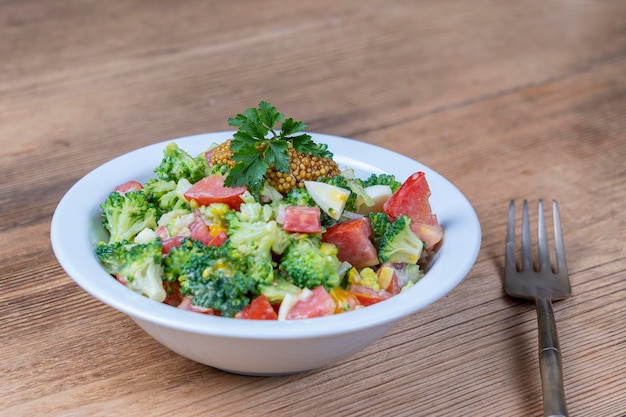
257,145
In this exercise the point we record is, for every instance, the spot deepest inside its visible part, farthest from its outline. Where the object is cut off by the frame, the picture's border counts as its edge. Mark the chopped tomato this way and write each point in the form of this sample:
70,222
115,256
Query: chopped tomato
162,232
318,304
302,219
218,239
211,189
367,295
185,304
199,230
344,299
394,287
120,279
352,238
169,243
128,186
173,295
411,199
258,309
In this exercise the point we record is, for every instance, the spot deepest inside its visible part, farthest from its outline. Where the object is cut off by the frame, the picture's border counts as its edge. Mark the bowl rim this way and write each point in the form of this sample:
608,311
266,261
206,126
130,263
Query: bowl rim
79,208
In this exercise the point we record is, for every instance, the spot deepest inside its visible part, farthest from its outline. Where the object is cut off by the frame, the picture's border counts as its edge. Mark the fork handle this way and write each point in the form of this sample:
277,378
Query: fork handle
550,361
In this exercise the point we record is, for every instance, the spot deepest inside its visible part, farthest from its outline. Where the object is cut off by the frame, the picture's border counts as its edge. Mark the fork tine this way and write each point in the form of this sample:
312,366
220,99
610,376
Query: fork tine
542,240
561,265
509,254
527,257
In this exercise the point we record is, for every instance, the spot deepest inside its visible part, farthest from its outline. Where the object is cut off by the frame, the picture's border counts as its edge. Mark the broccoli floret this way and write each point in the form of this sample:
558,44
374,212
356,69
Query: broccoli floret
125,215
143,271
399,243
177,263
215,277
112,255
220,169
252,238
379,222
382,179
309,263
177,164
277,289
168,195
138,265
299,197
227,294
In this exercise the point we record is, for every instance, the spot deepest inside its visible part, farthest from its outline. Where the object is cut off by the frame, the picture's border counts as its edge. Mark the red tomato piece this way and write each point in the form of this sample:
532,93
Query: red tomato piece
302,219
367,295
352,238
411,199
173,295
169,243
120,279
319,304
128,186
162,232
185,304
258,309
200,231
211,189
218,239
394,288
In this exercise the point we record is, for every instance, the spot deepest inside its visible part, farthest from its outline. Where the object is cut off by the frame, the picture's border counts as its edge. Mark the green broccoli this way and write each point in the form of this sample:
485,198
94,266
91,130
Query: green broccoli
143,271
399,244
308,262
299,197
137,265
379,222
382,179
112,255
214,277
220,169
125,215
177,164
253,239
177,259
168,195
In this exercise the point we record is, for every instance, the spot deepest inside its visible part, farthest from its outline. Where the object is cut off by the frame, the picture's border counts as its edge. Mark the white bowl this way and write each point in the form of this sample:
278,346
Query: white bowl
261,347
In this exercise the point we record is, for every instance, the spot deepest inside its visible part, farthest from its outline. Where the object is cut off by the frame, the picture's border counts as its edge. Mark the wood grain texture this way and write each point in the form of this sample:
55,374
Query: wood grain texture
506,99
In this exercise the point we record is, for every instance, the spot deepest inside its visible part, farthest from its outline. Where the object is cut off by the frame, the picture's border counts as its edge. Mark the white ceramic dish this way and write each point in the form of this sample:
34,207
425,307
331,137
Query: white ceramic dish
261,347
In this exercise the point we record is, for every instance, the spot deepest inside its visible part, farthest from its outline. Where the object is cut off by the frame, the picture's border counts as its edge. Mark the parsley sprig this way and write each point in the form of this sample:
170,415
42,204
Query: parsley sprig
257,145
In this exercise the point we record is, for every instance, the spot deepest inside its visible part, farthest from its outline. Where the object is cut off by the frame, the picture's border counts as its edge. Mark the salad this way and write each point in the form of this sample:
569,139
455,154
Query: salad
267,226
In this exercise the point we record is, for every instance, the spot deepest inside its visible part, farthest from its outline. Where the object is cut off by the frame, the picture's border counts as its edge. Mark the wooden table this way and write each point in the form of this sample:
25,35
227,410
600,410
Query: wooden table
507,99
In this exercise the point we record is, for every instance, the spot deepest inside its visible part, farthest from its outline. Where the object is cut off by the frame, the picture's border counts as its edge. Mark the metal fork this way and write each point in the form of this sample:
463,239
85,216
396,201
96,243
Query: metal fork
542,283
